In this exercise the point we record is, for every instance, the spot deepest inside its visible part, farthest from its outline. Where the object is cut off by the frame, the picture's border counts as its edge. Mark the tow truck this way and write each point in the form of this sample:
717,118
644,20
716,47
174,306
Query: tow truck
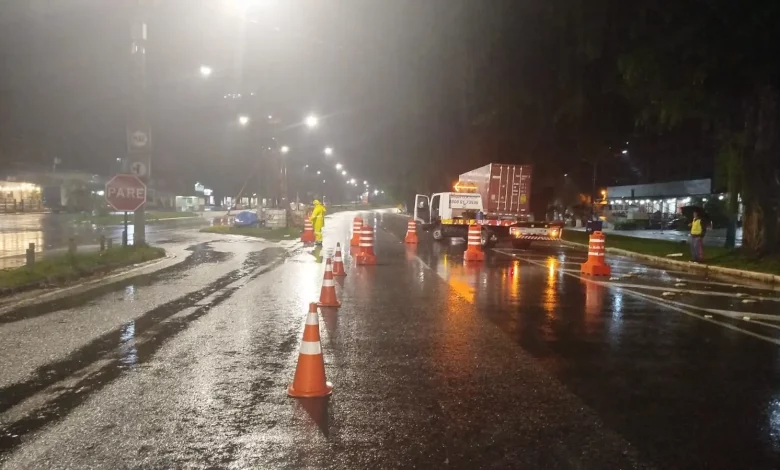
496,198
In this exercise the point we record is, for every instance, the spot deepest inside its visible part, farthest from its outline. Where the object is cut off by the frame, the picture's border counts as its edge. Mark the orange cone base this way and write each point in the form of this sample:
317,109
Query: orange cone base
291,392
319,393
363,258
595,269
474,256
329,303
307,237
411,238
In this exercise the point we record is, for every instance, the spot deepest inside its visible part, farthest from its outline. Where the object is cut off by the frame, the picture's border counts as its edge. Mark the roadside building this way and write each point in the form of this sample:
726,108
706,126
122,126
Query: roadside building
655,204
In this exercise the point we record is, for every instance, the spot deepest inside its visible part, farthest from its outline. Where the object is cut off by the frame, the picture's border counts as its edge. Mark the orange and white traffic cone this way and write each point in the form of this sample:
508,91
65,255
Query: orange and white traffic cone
309,380
366,255
308,232
357,226
411,232
474,251
596,266
338,262
328,291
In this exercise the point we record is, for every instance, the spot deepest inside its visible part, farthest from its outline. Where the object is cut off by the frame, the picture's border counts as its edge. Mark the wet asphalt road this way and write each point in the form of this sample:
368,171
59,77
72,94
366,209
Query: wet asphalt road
514,363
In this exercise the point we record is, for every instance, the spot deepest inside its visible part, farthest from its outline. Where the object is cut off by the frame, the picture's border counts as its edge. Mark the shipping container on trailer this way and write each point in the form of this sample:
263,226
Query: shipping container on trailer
505,189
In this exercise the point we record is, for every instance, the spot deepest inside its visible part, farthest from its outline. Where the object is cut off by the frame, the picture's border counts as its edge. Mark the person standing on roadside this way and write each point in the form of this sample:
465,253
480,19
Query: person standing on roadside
318,221
697,236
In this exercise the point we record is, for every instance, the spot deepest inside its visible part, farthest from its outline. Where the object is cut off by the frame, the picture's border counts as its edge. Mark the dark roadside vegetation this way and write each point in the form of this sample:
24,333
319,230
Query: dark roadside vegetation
715,256
64,269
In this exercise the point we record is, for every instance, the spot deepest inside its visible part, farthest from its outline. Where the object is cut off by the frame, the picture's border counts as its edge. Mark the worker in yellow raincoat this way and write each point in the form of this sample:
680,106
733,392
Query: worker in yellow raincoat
318,220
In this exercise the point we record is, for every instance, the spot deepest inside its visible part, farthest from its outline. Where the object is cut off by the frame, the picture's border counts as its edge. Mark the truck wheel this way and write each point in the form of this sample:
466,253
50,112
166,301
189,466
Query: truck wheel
438,234
521,244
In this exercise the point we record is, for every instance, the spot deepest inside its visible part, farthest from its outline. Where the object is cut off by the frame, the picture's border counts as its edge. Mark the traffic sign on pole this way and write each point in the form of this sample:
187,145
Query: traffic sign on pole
126,193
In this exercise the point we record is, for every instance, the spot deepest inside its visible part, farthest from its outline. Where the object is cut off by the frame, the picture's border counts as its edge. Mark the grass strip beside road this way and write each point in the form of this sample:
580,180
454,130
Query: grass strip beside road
270,234
713,255
118,219
67,268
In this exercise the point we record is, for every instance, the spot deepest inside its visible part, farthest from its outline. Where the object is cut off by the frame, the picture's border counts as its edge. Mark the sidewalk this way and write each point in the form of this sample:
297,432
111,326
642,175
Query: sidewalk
714,237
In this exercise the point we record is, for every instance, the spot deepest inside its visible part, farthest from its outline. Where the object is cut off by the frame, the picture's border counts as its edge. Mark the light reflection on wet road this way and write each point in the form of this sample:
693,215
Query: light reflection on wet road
514,363
50,233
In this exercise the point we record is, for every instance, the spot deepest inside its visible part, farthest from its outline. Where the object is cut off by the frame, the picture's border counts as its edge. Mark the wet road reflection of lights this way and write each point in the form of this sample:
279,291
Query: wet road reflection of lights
129,293
550,292
773,414
128,354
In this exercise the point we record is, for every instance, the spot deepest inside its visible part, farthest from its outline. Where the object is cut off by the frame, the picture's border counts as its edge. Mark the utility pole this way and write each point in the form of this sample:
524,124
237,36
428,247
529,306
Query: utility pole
139,133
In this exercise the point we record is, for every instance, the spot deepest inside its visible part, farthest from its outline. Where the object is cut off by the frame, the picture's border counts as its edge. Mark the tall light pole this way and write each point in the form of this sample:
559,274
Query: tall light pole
139,134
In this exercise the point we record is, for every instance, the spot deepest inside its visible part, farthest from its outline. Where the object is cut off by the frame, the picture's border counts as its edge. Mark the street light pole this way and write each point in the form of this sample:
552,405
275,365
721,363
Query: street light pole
138,127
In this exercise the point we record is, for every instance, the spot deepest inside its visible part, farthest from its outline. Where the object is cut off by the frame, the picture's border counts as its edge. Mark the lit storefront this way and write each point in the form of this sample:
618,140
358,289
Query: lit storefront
17,196
658,201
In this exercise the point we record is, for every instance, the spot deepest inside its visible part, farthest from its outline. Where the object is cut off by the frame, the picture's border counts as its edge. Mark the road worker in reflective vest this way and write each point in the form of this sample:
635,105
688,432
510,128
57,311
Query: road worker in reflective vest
318,221
697,237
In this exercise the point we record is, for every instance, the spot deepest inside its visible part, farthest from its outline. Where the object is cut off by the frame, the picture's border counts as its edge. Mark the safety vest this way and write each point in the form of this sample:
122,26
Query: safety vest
696,227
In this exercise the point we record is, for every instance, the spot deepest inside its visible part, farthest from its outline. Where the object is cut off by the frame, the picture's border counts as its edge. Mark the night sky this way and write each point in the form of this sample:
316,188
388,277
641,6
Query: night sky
410,93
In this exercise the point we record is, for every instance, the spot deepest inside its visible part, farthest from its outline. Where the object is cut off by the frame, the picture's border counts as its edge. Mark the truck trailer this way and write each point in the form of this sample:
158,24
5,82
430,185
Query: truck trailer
496,197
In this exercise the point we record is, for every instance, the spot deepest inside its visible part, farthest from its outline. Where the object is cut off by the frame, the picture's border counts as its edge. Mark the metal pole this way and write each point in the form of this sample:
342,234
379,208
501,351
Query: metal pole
593,194
138,113
124,232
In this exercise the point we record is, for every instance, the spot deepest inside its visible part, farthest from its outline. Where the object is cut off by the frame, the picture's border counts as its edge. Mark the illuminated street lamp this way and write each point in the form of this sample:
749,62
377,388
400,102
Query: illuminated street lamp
344,173
285,149
352,181
338,165
319,172
365,182
312,121
328,151
243,120
205,71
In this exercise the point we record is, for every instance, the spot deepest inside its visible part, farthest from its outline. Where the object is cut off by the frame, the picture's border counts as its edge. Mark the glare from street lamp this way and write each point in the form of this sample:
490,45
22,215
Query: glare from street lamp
625,152
352,181
319,172
376,191
323,181
312,121
285,149
339,166
205,71
365,182
328,151
243,120
344,172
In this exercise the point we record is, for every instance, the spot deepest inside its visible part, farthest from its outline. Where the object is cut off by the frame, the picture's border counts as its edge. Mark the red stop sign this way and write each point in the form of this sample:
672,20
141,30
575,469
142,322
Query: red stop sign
125,192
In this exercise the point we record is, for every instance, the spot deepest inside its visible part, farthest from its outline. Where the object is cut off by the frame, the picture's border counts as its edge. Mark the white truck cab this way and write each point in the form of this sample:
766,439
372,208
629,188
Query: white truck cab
450,214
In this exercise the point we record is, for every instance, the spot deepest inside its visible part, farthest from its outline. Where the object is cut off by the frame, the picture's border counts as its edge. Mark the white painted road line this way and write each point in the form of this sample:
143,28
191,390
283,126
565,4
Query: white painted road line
661,302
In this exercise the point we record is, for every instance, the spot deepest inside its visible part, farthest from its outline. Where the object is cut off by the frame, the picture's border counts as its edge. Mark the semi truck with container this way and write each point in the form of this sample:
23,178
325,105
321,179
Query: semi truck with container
496,197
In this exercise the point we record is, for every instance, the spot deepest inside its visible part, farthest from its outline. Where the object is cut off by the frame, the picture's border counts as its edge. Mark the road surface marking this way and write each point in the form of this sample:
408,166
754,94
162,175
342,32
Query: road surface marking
664,303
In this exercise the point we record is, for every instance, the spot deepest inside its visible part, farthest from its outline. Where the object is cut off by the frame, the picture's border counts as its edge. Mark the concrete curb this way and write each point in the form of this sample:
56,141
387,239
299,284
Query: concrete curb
701,268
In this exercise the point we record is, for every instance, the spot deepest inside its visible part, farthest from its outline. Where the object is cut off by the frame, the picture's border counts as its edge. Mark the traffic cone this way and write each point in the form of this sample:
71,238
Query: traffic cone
328,291
474,251
411,232
338,263
357,226
309,380
308,232
366,255
595,266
